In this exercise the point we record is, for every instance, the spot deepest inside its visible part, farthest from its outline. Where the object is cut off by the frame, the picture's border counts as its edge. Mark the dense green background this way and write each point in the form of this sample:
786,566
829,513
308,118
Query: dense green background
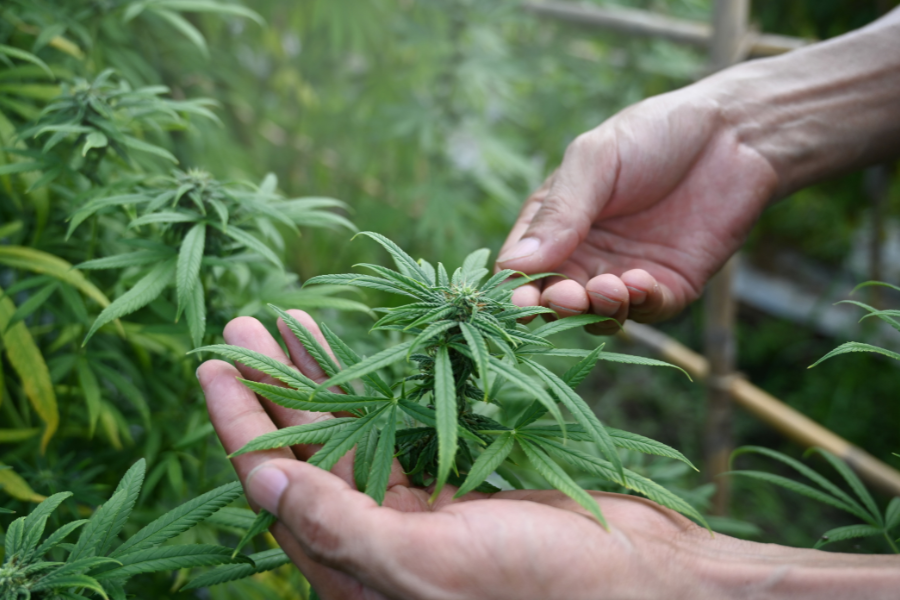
432,120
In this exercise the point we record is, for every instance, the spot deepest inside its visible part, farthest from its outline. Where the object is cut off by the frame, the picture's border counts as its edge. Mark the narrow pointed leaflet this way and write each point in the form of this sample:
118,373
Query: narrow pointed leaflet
446,412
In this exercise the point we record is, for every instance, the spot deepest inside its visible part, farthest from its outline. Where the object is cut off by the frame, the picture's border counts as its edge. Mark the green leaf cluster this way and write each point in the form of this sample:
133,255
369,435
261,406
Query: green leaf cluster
464,348
889,316
37,566
862,506
101,222
208,221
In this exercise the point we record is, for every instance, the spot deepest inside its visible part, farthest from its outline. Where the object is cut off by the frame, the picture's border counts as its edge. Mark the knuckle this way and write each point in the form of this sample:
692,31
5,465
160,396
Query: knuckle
555,208
319,540
580,144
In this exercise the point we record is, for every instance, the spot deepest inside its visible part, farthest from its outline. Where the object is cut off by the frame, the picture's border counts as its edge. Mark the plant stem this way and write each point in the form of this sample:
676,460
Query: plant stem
891,542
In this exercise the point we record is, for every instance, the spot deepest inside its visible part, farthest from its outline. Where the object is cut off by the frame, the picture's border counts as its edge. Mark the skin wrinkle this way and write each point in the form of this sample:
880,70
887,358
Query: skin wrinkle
247,412
604,240
778,575
420,585
328,581
510,575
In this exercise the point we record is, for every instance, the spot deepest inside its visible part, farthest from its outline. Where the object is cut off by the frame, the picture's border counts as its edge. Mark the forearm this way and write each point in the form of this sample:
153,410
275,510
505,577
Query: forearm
821,110
735,569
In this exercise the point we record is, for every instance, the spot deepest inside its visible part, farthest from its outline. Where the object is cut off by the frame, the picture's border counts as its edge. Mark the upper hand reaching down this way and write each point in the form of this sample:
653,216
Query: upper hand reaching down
642,212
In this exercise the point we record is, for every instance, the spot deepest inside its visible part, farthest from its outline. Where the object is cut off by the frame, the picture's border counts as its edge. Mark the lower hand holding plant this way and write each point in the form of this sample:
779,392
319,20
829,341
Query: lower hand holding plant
523,544
516,543
427,525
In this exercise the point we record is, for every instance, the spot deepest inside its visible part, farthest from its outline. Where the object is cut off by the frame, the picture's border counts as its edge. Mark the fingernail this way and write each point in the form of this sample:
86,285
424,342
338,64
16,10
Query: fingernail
524,247
197,373
564,309
613,304
265,485
637,296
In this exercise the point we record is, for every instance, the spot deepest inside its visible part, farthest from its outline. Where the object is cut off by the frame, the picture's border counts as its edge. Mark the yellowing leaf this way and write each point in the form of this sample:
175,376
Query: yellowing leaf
65,45
27,361
20,257
17,435
110,425
18,488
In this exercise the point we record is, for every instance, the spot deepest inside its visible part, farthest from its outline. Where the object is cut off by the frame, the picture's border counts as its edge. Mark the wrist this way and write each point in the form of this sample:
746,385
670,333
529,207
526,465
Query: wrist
819,111
730,568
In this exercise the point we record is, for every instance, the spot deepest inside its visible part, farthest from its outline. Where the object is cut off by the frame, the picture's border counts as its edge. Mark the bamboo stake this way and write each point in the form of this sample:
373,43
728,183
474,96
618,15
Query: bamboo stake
725,49
645,23
720,349
793,424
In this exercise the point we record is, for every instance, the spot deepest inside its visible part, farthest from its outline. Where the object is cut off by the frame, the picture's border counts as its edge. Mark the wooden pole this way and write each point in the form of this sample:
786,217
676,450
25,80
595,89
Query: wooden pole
644,23
728,44
793,424
726,48
719,348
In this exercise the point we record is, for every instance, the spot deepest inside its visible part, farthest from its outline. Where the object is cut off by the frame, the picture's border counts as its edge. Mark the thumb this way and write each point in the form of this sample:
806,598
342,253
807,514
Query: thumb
334,524
580,189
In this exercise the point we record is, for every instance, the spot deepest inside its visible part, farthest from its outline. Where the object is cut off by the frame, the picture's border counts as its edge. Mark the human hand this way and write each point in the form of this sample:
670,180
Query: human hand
642,212
519,544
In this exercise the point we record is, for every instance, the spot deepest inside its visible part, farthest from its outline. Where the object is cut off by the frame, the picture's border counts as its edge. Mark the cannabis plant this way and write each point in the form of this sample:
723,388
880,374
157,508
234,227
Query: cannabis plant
98,562
465,348
209,222
891,317
104,115
863,506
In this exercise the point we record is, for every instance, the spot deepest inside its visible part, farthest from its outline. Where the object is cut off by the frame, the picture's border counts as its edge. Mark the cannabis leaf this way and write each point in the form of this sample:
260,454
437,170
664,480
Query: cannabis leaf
888,316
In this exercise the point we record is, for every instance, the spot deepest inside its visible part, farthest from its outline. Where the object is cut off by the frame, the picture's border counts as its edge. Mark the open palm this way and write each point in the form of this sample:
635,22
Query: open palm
505,545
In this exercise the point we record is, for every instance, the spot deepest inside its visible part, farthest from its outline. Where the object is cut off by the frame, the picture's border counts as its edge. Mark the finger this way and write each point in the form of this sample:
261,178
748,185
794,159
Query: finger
527,295
334,524
566,298
649,300
609,298
236,415
401,554
529,209
580,189
249,333
300,356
